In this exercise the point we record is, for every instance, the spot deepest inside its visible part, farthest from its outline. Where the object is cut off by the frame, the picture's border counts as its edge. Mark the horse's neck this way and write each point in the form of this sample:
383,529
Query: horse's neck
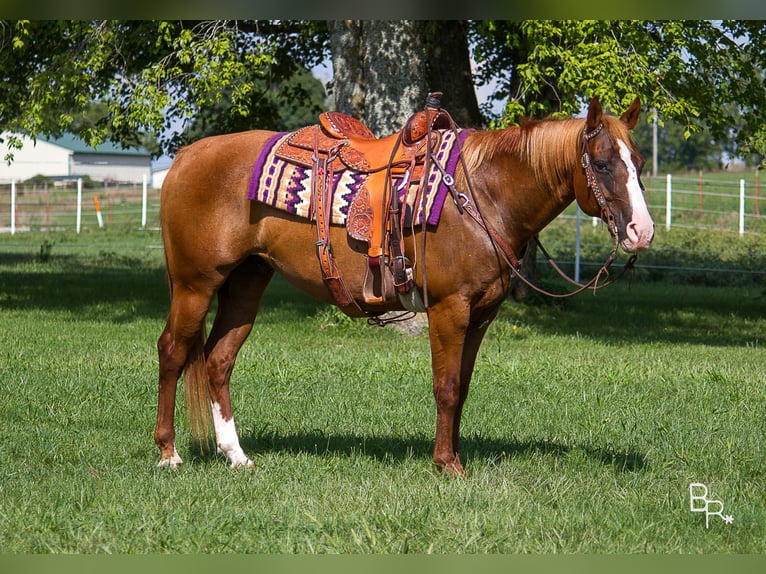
530,175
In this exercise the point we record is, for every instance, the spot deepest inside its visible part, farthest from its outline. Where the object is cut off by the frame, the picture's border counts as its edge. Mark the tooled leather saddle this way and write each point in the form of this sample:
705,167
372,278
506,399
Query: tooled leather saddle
341,142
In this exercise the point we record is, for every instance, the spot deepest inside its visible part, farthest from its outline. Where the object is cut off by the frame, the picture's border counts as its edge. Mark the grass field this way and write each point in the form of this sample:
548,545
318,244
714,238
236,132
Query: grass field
586,423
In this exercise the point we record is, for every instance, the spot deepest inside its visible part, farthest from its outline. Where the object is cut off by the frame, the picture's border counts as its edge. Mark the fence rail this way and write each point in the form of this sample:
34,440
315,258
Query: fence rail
732,203
726,205
48,208
717,201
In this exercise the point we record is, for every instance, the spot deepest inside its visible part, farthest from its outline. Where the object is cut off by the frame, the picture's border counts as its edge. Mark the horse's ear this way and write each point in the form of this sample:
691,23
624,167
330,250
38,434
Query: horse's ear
594,114
630,117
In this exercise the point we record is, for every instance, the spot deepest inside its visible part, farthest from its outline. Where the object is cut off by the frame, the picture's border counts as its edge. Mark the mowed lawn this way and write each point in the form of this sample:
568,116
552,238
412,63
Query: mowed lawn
586,423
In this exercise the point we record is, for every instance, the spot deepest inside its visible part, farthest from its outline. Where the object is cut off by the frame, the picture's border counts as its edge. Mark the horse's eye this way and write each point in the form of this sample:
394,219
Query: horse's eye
601,166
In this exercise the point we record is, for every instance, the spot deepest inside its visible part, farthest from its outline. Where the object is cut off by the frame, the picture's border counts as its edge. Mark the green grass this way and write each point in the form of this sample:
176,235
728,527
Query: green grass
695,256
586,422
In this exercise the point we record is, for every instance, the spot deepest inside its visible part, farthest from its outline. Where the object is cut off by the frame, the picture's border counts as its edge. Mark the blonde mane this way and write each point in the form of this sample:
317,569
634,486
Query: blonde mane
552,148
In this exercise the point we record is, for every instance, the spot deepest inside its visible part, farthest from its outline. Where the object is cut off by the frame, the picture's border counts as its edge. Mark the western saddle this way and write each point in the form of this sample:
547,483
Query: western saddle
342,142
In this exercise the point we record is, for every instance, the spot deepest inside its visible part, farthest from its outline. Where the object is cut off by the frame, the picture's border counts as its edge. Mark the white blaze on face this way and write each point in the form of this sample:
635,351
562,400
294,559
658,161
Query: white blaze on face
640,229
227,440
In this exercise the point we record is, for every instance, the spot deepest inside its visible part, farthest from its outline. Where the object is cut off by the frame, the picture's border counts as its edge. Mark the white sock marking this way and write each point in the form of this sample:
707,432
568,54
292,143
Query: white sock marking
227,439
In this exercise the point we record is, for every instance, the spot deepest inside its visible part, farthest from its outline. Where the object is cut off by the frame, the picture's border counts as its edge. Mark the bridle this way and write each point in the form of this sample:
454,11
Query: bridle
590,177
467,203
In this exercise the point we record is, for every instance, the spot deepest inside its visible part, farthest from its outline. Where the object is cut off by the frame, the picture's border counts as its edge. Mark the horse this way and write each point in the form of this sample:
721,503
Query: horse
218,243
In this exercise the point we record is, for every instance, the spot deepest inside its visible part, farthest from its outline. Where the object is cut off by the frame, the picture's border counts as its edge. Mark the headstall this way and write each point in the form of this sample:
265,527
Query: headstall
463,202
590,177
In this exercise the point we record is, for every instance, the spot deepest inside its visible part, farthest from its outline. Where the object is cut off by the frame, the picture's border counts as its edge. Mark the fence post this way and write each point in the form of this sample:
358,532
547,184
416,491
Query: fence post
741,206
78,217
99,217
668,201
143,203
13,207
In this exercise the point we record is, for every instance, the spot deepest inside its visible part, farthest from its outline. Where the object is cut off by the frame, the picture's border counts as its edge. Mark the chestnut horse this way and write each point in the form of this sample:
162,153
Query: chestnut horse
218,243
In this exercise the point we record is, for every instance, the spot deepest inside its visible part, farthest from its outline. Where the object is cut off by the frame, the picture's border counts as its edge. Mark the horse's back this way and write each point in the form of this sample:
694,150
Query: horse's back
222,160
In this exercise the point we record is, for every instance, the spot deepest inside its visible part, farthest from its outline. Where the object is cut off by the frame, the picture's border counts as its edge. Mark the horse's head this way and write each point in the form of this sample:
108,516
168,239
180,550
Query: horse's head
611,188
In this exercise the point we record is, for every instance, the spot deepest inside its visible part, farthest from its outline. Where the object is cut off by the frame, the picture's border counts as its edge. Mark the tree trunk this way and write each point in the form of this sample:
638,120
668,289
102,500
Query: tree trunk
395,73
348,76
449,70
383,70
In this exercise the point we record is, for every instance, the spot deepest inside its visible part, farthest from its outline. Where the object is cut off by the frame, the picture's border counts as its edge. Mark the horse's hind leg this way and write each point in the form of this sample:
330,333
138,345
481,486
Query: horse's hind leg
180,344
238,301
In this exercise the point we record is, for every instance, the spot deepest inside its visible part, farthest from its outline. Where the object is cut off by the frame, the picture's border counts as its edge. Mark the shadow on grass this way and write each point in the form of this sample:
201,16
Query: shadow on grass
102,290
118,288
397,449
650,313
111,287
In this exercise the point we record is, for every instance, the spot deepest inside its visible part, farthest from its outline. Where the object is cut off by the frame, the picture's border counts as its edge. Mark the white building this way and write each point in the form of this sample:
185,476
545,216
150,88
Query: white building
69,157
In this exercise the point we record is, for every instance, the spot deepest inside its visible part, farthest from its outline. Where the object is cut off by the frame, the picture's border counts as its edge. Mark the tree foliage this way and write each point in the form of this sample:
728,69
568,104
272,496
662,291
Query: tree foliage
699,74
150,77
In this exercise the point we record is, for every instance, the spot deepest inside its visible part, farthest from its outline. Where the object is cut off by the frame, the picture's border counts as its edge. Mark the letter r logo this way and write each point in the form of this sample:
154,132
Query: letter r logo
699,502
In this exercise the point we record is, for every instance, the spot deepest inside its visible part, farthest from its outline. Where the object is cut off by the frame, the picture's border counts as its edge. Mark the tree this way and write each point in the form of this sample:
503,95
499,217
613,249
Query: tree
281,105
151,76
700,151
383,70
379,71
448,69
154,75
700,74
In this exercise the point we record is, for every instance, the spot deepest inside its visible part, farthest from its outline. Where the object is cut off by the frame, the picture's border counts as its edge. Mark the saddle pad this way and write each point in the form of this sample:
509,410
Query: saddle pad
287,186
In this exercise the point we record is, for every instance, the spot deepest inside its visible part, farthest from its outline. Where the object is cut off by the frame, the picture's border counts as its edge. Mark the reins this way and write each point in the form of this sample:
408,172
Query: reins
466,203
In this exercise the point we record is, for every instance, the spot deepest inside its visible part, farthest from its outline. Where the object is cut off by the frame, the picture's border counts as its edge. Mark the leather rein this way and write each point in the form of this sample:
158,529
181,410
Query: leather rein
465,204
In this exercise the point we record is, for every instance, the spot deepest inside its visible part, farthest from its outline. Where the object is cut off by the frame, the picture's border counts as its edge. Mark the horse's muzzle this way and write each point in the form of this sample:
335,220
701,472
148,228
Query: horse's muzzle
638,236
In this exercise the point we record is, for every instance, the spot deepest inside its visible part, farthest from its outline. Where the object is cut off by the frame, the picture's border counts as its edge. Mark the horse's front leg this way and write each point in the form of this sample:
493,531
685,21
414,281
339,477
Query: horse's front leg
455,342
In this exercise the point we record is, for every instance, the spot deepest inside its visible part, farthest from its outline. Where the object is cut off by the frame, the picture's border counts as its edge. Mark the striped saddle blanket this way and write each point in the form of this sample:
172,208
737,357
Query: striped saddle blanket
287,185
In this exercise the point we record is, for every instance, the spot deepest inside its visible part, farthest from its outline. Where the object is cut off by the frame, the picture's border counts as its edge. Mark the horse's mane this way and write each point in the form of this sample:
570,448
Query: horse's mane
551,147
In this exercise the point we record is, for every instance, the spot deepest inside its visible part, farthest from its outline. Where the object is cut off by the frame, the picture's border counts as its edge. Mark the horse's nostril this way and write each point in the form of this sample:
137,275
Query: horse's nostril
640,238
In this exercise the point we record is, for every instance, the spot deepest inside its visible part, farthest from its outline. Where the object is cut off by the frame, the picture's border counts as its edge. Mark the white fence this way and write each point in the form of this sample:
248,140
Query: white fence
741,196
715,201
718,202
24,207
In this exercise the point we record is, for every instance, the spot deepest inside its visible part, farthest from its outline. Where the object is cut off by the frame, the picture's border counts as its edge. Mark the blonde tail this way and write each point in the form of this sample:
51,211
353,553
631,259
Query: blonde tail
196,393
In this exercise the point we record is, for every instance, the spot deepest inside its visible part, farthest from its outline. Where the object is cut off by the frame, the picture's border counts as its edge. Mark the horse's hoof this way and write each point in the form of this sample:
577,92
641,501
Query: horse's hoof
172,461
245,463
452,468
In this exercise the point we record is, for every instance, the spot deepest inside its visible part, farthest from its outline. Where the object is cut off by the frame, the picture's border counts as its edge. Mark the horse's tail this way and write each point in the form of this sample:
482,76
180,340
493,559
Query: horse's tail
196,394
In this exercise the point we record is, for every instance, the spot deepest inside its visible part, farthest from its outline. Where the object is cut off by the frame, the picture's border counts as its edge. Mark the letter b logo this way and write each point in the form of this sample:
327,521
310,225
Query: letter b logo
699,502
698,497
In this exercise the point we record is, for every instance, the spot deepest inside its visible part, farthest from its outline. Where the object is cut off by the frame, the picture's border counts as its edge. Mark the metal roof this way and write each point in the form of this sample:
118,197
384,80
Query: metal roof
77,145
